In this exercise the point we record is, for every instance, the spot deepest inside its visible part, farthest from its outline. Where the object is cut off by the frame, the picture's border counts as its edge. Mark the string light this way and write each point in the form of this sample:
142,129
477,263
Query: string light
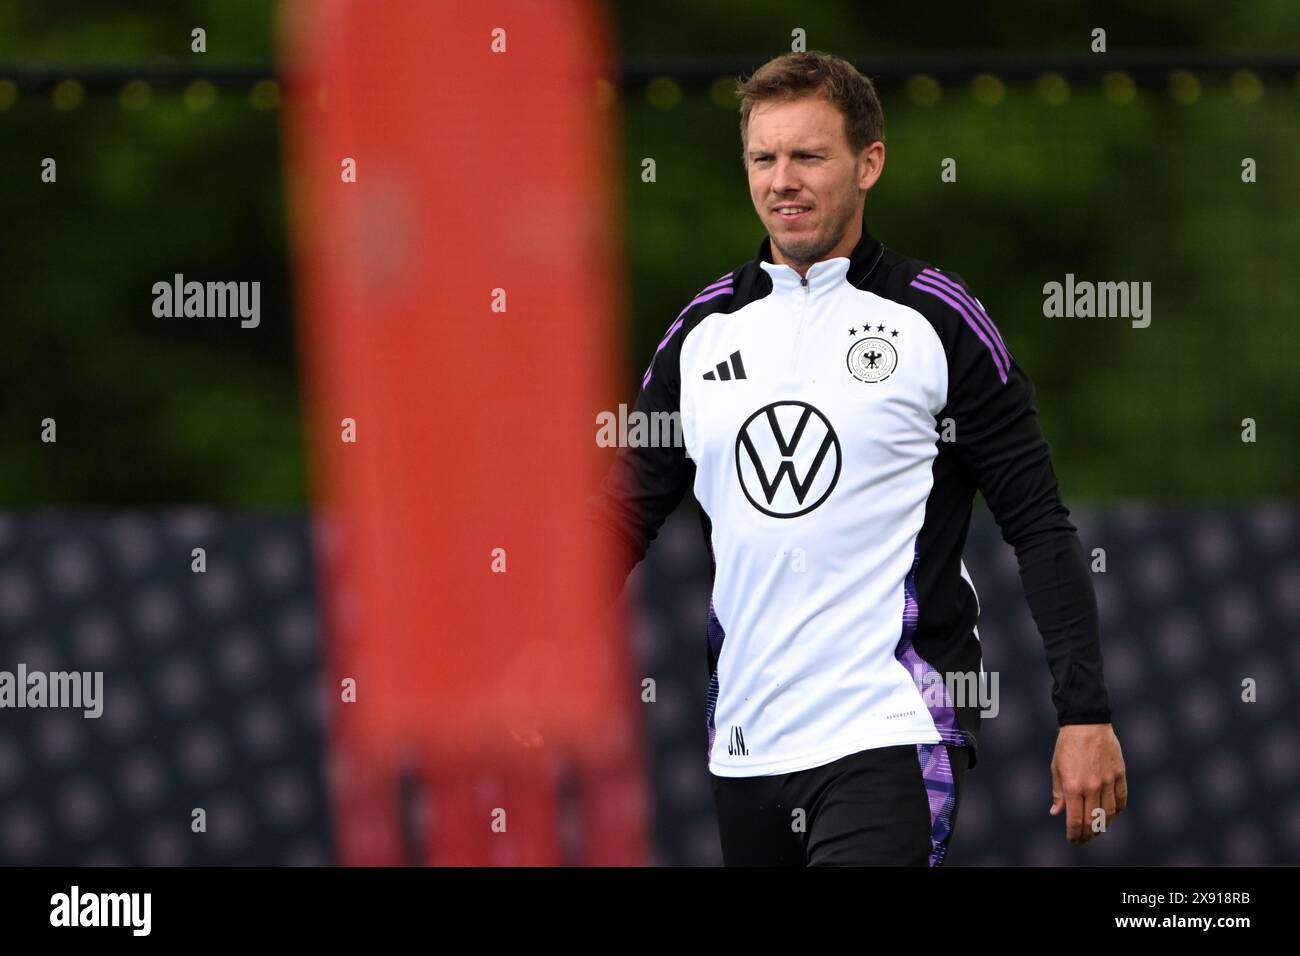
723,92
67,95
988,90
923,89
663,93
265,95
1119,88
666,93
136,95
1245,85
200,95
1184,87
1053,89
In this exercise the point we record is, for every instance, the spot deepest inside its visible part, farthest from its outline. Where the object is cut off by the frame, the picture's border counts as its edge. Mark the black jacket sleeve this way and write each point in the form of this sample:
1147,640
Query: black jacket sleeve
1000,443
646,482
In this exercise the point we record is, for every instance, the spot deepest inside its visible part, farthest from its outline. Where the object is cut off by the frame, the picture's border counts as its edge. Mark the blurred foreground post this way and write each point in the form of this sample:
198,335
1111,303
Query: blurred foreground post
458,261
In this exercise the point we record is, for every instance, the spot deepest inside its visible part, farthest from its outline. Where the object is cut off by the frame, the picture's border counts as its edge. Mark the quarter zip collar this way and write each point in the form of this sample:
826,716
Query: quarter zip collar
824,274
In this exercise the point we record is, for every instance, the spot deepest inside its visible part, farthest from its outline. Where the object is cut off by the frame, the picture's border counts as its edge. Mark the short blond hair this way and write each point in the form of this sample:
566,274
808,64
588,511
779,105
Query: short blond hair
794,75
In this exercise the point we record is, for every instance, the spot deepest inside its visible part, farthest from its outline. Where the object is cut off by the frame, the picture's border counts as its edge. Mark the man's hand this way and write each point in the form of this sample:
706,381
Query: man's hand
1087,773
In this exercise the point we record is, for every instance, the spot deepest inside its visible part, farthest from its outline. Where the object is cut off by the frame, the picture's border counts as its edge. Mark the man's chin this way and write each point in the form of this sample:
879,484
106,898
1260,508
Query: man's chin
798,226
801,251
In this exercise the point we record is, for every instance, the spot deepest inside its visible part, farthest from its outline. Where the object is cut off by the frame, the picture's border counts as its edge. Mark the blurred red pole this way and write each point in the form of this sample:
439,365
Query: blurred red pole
483,152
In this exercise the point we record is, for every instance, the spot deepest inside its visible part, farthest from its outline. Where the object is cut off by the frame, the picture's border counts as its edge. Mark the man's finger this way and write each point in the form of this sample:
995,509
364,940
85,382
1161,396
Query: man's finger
1121,793
1092,802
1058,792
1074,815
1108,800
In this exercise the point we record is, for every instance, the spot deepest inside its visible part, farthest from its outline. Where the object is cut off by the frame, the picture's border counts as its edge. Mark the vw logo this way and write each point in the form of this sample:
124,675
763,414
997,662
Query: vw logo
787,459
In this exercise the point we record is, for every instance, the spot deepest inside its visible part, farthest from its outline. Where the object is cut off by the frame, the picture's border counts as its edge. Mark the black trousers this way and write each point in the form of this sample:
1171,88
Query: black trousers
888,806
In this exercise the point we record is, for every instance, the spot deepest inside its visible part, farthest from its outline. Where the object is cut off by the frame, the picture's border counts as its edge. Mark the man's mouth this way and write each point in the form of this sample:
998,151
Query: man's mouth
791,211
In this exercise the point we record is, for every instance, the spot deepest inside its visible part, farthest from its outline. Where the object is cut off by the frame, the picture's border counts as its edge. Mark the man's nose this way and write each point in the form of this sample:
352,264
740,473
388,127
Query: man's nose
786,177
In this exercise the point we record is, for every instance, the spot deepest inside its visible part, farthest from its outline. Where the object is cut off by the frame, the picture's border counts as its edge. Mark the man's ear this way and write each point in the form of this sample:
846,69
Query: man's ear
873,165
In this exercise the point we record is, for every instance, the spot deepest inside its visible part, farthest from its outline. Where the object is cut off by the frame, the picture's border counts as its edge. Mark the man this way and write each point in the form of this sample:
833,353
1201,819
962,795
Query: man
840,404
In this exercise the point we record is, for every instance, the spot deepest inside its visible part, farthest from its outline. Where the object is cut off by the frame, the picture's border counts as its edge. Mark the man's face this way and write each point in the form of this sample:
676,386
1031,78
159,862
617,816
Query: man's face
799,156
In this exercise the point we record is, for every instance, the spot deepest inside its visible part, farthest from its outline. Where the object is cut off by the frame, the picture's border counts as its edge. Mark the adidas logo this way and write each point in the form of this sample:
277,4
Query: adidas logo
725,371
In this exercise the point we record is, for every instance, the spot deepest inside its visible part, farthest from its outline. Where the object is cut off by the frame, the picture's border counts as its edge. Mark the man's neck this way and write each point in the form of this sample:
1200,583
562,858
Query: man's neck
848,242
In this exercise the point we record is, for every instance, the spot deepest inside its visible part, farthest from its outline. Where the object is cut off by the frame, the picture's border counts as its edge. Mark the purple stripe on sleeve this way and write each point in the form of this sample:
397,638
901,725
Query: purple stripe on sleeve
970,320
669,334
671,330
704,296
942,280
725,280
980,312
